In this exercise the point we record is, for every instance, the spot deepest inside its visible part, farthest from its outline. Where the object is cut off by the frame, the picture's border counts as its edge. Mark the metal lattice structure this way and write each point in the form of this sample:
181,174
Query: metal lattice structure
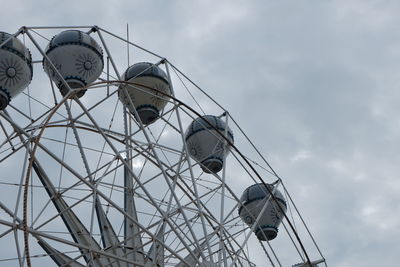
84,182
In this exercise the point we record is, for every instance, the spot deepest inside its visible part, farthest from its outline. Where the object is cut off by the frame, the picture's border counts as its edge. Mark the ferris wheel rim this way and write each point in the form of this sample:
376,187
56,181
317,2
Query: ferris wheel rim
73,93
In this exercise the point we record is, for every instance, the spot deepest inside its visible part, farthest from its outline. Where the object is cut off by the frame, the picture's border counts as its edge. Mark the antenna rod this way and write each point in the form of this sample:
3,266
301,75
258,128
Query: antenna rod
127,43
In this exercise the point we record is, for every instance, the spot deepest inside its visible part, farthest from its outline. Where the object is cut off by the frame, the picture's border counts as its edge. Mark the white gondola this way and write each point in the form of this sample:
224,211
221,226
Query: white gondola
206,145
252,204
77,57
148,91
15,68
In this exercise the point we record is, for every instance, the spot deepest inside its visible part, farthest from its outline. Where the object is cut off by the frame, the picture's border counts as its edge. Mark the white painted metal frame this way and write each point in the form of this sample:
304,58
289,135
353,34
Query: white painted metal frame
174,230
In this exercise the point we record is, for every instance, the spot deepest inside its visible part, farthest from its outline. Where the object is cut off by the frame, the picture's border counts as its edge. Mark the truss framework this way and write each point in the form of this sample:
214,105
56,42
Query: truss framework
86,184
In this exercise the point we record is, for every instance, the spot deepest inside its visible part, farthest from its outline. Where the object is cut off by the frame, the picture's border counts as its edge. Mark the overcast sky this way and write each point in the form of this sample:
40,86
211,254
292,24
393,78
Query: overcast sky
313,83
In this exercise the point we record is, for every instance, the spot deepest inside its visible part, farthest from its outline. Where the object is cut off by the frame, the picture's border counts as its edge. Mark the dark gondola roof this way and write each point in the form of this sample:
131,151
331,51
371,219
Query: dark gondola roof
201,124
259,191
74,37
16,45
145,69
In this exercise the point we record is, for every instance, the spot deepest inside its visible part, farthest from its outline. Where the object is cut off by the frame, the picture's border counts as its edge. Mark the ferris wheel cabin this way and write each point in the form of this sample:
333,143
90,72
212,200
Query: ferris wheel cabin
205,143
253,208
77,57
15,68
147,90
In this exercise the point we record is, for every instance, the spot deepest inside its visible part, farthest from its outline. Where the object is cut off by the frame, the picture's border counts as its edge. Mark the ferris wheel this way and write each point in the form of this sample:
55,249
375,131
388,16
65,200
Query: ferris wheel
105,162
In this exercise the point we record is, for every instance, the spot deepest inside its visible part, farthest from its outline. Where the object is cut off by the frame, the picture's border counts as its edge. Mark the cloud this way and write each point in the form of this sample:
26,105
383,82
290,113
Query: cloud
313,83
